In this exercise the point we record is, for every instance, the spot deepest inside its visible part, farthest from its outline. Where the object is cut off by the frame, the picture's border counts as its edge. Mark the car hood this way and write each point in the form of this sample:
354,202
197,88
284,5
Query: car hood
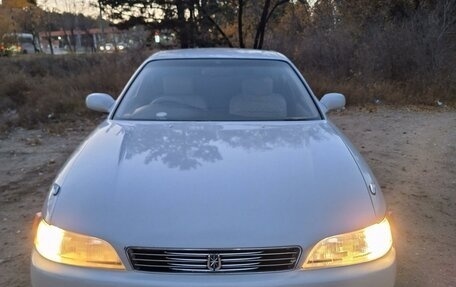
212,185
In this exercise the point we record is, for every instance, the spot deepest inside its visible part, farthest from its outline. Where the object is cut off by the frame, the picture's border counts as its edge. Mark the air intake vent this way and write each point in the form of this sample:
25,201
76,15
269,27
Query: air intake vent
214,260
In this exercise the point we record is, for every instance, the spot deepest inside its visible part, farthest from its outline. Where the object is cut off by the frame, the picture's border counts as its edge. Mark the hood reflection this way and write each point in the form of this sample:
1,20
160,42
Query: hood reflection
187,146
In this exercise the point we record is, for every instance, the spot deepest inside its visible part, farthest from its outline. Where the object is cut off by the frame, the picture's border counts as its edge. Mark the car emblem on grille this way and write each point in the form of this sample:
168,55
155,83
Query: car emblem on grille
214,262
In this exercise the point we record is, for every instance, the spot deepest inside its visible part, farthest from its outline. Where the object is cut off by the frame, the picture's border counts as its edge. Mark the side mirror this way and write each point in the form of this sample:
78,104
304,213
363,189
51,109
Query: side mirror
100,102
332,101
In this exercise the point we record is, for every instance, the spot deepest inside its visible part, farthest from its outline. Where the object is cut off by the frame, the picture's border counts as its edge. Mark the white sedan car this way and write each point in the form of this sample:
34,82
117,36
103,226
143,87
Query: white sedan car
215,167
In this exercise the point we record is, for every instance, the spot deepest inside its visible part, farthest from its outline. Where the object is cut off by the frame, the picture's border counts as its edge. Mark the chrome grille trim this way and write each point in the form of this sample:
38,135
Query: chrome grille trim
225,260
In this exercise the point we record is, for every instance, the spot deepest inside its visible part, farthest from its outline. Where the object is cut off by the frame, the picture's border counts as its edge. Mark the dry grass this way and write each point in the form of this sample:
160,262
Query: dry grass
42,89
360,91
37,90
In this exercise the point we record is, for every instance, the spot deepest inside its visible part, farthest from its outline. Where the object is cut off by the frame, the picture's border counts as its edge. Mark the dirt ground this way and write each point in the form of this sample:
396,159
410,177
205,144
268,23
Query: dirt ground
411,150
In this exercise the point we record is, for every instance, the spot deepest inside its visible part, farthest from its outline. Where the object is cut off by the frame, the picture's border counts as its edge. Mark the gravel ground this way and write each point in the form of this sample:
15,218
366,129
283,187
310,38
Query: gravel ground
411,150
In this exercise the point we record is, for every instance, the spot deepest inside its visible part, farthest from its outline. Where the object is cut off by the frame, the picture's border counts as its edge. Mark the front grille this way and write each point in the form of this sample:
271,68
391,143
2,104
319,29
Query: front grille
213,260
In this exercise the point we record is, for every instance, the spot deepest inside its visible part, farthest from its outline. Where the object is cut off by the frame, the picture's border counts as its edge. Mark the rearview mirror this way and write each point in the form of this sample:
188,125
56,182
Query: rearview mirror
332,101
100,102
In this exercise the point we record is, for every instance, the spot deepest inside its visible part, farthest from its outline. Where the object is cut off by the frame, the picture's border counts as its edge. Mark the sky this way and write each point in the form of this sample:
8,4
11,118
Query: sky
87,7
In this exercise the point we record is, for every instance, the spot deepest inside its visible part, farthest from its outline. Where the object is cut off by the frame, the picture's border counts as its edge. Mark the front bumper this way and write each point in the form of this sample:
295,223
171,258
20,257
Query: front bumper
378,273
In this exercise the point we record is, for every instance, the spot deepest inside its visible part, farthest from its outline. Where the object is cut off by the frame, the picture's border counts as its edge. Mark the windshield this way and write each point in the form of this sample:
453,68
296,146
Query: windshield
217,90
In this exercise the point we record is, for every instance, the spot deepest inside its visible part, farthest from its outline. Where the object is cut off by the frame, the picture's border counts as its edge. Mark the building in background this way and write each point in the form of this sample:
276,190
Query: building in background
108,40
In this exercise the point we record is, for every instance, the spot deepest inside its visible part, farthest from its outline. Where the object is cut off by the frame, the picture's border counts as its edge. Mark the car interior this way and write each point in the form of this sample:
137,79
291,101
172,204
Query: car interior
208,93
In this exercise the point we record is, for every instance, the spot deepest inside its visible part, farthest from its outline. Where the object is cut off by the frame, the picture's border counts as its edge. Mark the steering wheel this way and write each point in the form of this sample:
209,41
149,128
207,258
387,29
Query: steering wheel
176,100
167,99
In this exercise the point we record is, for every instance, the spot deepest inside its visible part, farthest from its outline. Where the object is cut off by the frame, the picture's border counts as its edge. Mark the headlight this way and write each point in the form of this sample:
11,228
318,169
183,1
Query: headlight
71,248
360,246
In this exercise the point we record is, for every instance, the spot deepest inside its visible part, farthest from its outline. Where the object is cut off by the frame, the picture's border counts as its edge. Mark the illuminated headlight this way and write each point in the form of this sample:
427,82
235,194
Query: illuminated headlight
102,48
355,247
71,248
121,47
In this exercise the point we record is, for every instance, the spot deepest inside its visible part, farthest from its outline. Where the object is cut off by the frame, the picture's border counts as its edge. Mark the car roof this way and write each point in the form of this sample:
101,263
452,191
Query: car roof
224,53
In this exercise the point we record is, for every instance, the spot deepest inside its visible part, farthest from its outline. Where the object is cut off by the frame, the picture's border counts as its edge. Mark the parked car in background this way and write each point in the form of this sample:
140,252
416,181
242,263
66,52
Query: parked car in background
215,167
121,46
18,43
107,48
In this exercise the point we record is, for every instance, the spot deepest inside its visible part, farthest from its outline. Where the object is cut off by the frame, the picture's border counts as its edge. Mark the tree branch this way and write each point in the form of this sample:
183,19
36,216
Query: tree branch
275,7
277,4
261,25
240,33
216,25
